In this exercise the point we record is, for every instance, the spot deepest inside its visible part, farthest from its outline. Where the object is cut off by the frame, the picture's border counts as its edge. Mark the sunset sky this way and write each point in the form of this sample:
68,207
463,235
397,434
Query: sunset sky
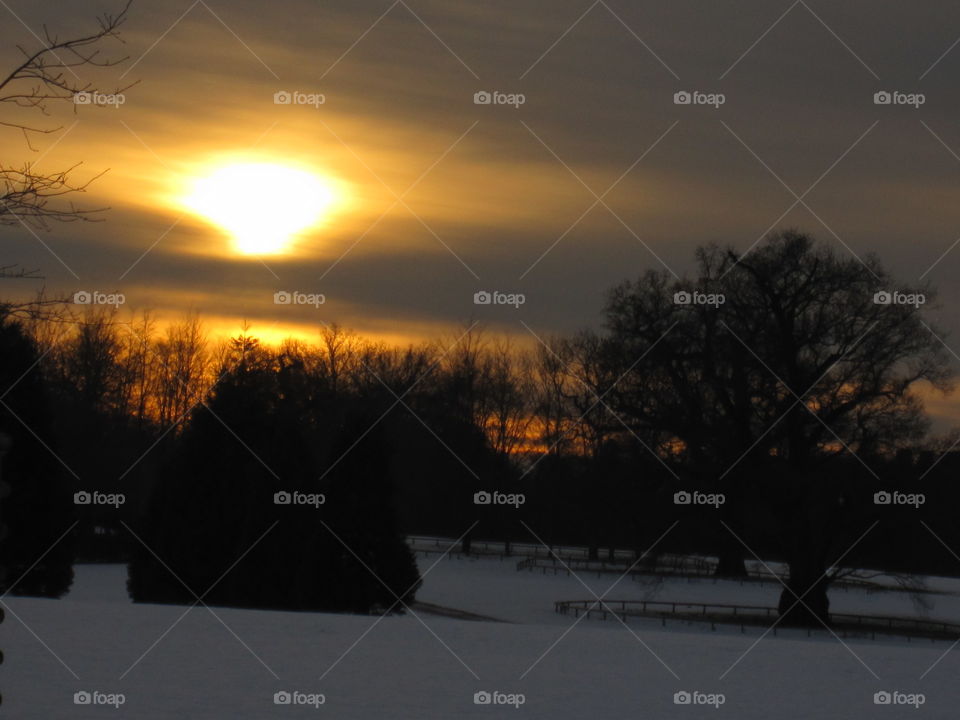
432,197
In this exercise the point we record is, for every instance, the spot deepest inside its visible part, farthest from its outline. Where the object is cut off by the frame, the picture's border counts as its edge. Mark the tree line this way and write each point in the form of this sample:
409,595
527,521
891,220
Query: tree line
754,408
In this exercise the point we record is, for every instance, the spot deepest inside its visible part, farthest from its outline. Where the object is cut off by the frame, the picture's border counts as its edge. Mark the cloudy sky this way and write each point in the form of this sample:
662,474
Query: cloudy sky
597,176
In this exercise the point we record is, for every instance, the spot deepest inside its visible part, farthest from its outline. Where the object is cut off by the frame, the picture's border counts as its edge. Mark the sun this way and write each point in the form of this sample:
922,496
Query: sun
263,206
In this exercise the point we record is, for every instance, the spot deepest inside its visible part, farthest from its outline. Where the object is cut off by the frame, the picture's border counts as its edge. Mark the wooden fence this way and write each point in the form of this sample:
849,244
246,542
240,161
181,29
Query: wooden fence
755,616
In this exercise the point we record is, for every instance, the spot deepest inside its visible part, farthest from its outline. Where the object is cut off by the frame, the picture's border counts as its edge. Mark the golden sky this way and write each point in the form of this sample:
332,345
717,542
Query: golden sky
436,197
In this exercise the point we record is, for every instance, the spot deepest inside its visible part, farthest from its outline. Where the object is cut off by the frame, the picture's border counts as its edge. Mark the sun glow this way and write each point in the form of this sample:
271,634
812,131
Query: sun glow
263,206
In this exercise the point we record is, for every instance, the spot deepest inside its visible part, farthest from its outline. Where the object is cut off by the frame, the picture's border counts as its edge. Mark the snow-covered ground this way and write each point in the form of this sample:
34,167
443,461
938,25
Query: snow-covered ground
228,664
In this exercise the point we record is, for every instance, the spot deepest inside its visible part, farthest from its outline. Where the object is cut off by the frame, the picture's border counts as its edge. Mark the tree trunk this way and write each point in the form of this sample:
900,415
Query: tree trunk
809,583
730,557
809,519
731,564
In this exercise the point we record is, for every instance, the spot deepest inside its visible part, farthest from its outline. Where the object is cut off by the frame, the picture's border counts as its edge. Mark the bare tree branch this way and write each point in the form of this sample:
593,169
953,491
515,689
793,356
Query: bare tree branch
46,75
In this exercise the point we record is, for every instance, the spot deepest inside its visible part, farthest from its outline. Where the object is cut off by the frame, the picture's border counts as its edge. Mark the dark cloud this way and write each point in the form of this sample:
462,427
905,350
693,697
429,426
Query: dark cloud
799,108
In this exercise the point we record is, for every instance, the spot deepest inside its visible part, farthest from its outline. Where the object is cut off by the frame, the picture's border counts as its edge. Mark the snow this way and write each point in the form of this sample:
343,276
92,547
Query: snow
171,662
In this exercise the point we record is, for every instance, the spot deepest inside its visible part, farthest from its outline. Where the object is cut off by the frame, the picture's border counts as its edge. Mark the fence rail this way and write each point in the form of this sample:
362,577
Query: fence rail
562,559
678,565
497,548
753,616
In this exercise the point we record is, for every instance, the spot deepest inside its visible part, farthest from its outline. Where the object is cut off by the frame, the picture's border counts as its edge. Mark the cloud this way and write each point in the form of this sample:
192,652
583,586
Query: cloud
499,190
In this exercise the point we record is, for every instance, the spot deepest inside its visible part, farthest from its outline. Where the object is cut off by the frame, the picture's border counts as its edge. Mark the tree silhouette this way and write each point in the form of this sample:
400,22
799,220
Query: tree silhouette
39,508
798,367
267,428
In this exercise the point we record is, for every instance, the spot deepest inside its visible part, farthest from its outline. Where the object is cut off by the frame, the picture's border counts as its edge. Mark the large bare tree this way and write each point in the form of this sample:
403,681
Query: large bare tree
809,368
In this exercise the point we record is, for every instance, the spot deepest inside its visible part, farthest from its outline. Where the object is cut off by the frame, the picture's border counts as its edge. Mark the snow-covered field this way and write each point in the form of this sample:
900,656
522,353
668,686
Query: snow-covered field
229,664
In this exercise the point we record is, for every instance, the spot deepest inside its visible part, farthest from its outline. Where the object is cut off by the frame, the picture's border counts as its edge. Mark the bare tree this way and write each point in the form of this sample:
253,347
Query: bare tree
337,354
42,308
47,76
801,367
509,412
89,360
553,414
183,371
139,362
